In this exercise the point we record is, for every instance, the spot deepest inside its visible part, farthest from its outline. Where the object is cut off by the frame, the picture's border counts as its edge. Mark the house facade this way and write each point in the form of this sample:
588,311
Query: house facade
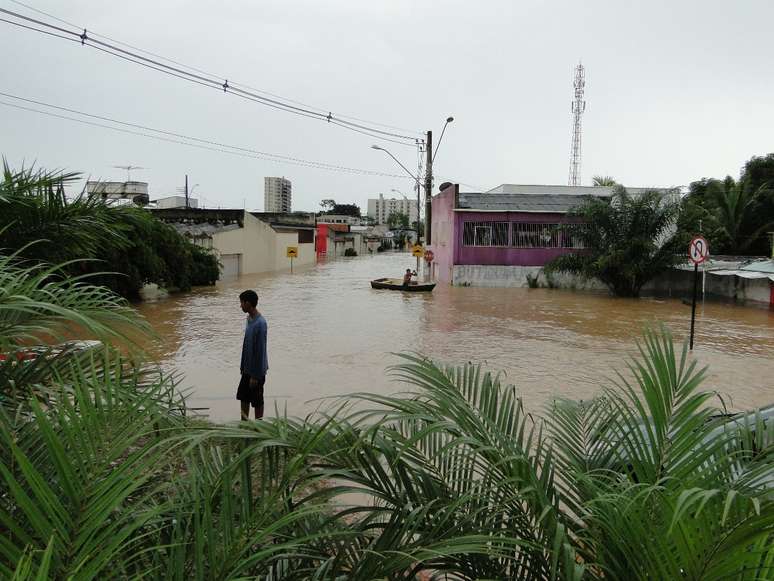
505,236
246,242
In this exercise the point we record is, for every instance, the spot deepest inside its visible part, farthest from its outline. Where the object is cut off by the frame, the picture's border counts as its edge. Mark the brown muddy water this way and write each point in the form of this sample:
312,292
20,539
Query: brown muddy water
331,334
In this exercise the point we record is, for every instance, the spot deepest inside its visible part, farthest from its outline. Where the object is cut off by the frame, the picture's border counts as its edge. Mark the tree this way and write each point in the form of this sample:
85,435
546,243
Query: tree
758,176
604,181
346,210
328,205
735,215
397,220
628,240
738,213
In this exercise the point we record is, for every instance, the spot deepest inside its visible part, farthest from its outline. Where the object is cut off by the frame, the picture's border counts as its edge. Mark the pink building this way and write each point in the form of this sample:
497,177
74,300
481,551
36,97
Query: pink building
500,237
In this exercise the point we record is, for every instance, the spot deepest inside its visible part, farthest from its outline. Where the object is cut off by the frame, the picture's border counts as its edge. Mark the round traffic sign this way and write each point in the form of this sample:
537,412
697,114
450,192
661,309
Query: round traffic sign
429,255
698,250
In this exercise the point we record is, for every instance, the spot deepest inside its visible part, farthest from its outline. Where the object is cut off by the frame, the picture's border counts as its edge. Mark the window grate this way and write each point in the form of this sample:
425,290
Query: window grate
572,235
522,234
485,234
535,235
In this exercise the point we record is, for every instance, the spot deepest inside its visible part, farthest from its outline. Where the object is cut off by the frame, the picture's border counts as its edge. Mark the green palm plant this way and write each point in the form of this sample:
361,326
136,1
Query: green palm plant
38,217
604,181
627,241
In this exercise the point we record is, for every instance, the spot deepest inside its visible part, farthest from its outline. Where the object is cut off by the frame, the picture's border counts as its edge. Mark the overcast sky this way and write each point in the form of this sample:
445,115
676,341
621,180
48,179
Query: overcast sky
676,90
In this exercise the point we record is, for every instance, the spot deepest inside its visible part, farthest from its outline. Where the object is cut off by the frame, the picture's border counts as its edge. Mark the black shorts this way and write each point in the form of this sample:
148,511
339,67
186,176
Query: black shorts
253,394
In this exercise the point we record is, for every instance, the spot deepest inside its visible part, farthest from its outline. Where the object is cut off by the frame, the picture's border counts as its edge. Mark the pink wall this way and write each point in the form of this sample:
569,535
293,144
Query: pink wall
506,256
443,234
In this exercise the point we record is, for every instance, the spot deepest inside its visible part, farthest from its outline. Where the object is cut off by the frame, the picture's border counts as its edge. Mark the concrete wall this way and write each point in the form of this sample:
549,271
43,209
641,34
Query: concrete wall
306,254
442,235
516,276
262,248
671,283
680,282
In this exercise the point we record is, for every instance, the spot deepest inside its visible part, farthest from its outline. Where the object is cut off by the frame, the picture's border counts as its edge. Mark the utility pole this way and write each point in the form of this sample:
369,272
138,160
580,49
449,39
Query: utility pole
186,191
428,187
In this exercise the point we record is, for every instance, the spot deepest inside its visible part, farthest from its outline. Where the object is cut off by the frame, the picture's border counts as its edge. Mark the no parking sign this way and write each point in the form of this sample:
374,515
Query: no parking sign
698,251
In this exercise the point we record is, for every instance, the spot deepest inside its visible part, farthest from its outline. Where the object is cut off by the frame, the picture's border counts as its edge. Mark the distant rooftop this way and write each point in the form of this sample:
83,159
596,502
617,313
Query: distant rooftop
540,198
603,191
600,191
549,203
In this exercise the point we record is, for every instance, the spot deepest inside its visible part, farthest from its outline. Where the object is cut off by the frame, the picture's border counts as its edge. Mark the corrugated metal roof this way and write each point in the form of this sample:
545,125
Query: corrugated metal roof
766,266
203,230
534,189
550,203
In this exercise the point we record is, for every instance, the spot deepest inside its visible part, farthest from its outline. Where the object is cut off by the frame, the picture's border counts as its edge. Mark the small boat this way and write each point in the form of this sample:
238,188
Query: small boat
397,284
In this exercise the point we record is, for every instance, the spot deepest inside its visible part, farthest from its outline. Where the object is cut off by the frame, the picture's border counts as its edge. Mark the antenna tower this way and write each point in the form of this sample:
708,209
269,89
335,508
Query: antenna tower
578,107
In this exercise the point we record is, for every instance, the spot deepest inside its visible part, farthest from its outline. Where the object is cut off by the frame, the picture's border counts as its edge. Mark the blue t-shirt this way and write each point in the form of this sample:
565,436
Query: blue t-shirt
255,360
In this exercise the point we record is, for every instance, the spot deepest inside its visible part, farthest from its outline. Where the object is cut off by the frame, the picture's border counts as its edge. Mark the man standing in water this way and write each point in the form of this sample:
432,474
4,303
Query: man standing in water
255,361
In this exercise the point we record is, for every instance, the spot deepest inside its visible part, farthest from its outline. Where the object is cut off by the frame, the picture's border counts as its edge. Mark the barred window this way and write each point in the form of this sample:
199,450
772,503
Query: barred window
485,234
571,235
532,235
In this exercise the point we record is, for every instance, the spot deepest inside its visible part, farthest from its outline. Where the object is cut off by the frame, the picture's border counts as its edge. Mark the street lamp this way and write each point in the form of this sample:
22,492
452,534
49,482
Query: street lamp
448,120
387,151
416,180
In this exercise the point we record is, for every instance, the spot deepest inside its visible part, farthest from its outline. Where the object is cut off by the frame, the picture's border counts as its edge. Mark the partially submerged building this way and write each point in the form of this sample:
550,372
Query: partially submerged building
246,242
503,236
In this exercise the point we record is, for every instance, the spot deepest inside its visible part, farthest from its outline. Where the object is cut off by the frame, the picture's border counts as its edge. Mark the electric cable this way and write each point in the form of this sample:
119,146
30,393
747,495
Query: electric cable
319,109
183,74
207,144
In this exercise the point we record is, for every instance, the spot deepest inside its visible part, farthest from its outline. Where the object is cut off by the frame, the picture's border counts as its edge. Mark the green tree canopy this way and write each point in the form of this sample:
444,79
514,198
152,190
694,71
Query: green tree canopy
628,240
735,215
398,220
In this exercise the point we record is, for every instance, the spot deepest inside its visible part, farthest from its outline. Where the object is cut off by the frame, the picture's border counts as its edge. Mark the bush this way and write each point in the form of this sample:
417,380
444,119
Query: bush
350,252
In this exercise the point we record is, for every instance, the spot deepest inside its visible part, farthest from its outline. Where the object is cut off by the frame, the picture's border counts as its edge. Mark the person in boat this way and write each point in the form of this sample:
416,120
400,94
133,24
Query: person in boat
254,363
407,277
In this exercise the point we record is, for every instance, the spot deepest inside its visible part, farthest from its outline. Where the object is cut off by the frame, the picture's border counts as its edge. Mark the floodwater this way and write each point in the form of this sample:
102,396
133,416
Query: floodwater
331,334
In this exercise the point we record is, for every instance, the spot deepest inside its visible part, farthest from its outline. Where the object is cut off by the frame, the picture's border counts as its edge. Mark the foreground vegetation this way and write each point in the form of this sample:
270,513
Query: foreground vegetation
103,476
41,224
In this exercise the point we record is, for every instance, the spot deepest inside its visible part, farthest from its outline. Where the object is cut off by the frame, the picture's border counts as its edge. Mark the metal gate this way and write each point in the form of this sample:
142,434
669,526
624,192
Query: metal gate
231,265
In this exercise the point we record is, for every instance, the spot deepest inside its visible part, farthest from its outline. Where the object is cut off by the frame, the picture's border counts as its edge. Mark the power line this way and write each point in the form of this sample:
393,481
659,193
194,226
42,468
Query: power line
207,81
319,109
181,139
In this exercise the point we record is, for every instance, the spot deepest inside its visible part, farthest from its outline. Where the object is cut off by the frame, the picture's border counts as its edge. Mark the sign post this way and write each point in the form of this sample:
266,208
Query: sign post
698,251
418,251
292,253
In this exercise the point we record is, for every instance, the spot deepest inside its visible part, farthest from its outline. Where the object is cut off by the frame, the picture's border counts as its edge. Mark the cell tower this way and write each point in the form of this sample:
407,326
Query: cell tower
578,107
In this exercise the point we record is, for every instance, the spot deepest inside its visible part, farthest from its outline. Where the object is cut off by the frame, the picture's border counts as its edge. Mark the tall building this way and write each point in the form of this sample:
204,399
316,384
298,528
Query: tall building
380,208
276,195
